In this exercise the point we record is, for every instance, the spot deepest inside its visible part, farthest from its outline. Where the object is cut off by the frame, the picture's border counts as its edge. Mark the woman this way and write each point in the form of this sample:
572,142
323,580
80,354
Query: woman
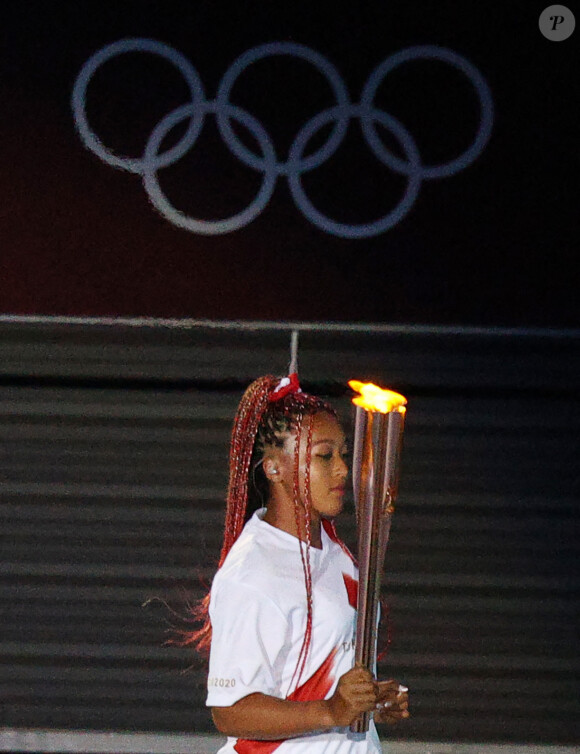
282,611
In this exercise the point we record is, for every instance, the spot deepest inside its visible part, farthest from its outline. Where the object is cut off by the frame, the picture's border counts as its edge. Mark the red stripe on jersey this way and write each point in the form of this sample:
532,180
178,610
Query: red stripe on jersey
351,589
245,746
330,529
316,687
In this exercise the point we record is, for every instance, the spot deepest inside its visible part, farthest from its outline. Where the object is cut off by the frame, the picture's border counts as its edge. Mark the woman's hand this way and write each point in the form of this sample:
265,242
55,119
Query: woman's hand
355,693
392,703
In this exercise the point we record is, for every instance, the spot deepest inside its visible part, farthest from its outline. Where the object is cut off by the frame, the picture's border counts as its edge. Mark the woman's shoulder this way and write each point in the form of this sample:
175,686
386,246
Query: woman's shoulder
254,561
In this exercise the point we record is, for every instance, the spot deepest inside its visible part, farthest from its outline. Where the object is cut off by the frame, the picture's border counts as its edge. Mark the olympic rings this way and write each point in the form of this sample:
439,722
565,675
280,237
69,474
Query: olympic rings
267,161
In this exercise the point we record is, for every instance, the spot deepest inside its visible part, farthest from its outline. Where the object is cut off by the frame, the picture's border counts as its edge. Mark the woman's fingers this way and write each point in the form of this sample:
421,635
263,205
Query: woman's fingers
390,718
360,683
363,694
391,689
388,699
355,693
392,702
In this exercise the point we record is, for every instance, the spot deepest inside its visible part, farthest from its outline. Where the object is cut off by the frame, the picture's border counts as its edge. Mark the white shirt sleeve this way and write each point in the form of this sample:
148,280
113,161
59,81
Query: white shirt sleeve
248,646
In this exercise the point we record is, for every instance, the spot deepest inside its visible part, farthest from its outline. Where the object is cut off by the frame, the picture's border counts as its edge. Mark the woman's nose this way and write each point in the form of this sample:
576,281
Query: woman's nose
341,468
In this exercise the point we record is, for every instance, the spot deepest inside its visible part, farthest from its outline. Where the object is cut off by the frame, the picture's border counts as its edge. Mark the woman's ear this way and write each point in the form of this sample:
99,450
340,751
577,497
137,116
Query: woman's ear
271,469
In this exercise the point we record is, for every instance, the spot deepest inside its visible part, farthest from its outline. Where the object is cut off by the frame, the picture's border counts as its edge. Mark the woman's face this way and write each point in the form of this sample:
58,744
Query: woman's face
328,467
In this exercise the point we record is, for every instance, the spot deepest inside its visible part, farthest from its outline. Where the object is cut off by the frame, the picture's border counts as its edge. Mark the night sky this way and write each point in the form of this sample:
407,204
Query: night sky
494,244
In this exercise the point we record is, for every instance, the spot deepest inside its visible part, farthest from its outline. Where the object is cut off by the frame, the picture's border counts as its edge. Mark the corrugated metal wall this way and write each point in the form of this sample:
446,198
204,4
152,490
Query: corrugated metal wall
112,475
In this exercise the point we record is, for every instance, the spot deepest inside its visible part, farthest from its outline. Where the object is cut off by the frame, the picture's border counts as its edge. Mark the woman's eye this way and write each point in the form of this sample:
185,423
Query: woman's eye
325,456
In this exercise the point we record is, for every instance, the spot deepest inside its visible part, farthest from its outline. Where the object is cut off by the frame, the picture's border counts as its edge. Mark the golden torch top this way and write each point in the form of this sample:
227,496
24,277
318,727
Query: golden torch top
374,398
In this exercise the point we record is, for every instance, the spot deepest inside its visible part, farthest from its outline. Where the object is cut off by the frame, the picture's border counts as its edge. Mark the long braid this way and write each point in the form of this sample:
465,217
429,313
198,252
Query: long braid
244,431
303,519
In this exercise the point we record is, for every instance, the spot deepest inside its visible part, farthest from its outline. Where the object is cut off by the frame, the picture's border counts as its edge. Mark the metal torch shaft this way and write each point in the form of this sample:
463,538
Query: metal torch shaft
375,475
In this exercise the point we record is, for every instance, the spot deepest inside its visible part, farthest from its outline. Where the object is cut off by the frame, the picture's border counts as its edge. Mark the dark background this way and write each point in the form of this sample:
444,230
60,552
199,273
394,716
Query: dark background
496,244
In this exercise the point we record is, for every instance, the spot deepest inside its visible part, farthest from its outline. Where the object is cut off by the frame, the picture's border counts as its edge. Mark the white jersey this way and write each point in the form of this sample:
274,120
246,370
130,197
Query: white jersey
258,617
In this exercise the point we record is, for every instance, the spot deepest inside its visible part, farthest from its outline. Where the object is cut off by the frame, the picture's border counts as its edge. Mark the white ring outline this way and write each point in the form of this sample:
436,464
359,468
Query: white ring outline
361,230
208,227
430,52
92,141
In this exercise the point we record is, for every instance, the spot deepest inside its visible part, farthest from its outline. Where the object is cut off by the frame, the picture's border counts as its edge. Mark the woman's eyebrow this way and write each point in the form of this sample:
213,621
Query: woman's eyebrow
331,442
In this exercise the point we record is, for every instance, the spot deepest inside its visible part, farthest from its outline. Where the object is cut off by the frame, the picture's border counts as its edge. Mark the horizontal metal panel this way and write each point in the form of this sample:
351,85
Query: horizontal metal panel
421,357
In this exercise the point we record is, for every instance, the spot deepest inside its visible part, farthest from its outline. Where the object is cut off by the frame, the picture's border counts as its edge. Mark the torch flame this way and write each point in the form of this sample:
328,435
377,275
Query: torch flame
374,398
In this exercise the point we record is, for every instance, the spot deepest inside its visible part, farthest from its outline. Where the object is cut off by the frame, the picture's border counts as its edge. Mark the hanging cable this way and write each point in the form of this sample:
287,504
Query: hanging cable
293,368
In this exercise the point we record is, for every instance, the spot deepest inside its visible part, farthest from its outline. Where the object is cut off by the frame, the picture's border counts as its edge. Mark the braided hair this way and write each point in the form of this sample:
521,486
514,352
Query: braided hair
265,415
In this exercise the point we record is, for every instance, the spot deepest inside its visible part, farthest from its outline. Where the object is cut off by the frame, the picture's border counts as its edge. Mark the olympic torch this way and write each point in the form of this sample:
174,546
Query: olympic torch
378,435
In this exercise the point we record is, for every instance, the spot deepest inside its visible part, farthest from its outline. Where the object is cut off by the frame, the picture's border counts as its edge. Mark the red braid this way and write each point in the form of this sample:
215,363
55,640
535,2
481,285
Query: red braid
303,523
246,423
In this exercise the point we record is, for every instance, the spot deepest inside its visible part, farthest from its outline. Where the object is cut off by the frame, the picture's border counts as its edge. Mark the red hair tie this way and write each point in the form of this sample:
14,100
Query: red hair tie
287,386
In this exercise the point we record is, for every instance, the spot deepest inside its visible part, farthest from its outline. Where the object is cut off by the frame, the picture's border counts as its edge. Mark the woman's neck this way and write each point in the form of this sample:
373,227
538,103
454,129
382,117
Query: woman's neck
283,518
